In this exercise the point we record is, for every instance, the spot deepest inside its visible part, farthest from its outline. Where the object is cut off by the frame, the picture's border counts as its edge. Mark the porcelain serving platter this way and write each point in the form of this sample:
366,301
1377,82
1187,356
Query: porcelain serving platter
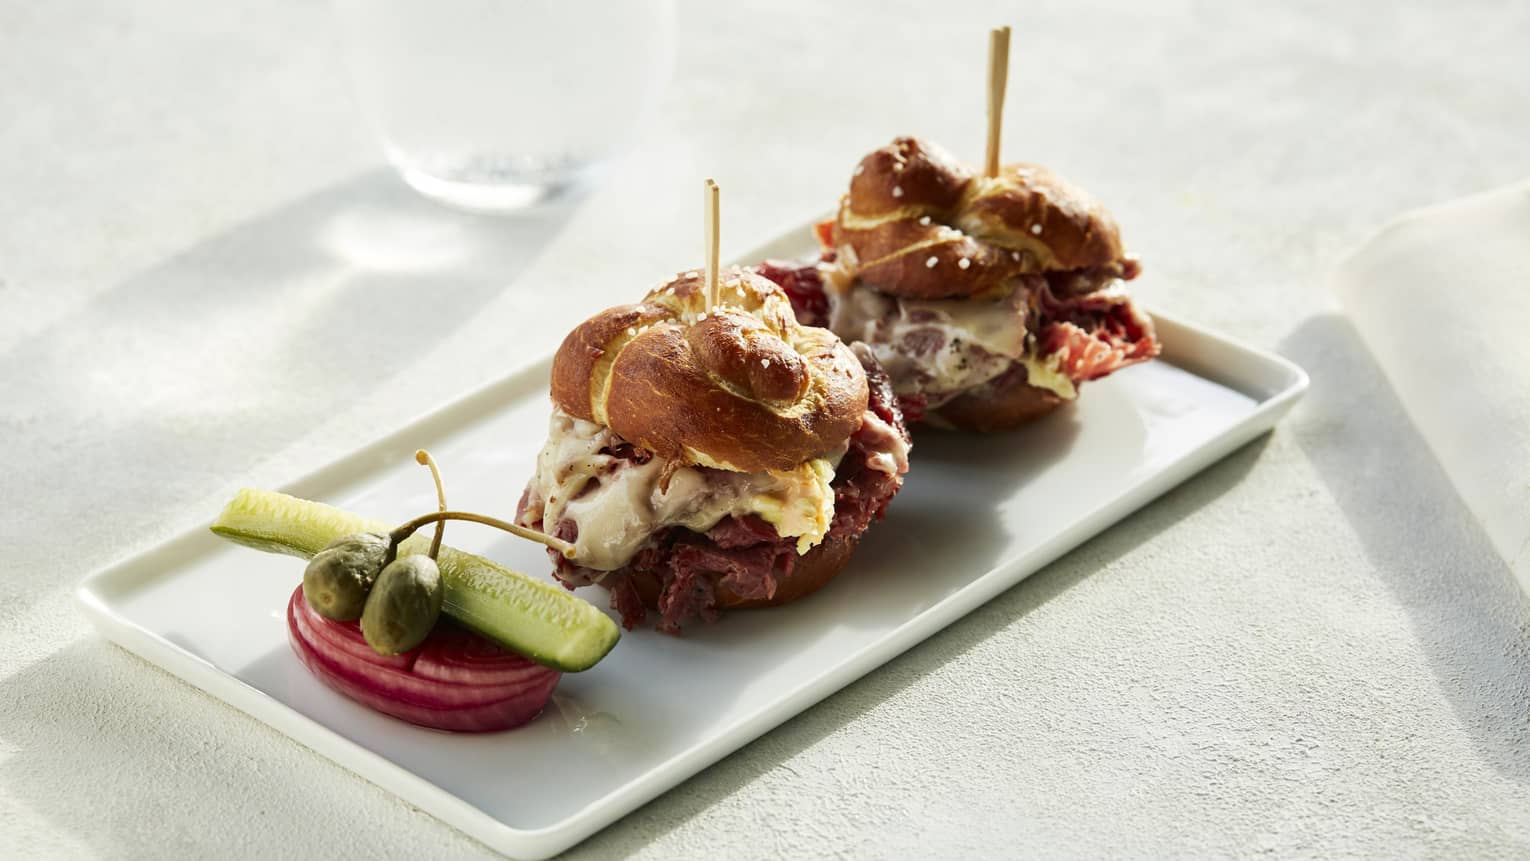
977,516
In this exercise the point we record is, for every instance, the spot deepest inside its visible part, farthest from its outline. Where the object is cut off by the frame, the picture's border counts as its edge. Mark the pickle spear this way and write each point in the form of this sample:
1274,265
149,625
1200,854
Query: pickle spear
537,619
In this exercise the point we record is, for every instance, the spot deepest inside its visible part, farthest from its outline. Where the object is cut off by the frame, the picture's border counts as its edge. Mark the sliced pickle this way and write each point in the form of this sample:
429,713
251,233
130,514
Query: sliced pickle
537,619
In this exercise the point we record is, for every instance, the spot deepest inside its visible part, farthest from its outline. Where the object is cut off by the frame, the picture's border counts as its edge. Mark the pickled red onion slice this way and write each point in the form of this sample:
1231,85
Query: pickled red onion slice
484,701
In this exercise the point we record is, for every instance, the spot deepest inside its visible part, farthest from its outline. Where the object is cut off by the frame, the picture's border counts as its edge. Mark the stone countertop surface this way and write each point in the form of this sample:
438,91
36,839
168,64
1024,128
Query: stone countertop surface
1309,649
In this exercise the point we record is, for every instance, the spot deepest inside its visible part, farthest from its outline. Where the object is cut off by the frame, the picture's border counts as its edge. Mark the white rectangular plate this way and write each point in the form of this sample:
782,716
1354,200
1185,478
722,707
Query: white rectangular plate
977,515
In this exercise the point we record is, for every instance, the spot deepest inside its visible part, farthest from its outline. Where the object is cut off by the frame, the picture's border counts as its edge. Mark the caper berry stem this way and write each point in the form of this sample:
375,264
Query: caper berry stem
423,457
408,528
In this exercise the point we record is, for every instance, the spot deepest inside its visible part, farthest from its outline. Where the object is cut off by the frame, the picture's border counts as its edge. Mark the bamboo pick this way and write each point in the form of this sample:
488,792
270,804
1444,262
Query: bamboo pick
711,225
998,76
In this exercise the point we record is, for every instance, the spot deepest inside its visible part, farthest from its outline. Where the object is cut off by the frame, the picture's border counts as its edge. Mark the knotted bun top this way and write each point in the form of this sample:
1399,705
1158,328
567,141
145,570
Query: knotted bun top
921,225
743,387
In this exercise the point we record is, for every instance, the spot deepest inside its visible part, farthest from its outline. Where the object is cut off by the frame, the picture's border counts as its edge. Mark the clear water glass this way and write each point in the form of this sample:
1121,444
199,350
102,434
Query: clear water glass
495,105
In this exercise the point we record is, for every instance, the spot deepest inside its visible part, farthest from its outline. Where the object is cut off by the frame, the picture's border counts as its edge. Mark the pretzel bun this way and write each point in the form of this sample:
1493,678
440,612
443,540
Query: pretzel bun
743,387
811,572
991,409
914,213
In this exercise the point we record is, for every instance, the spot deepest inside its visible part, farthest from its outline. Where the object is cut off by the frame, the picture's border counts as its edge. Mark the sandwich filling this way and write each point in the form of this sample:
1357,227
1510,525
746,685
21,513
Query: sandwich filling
685,530
936,350
608,498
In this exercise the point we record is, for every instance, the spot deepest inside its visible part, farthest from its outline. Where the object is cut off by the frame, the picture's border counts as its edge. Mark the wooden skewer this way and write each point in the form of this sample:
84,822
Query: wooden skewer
710,205
998,76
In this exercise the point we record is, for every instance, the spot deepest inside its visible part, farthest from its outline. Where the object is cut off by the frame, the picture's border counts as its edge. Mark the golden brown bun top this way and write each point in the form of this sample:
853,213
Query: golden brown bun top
743,387
914,214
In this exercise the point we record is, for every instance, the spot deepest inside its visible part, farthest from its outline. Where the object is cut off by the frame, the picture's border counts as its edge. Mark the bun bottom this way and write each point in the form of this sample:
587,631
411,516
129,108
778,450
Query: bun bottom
811,572
989,410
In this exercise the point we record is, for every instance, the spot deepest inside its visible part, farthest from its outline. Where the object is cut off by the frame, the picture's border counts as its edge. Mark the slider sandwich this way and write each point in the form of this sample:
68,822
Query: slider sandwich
712,453
988,299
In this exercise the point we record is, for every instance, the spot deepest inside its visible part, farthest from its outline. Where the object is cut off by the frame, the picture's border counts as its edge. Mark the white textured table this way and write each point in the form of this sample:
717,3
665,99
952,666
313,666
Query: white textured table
1308,649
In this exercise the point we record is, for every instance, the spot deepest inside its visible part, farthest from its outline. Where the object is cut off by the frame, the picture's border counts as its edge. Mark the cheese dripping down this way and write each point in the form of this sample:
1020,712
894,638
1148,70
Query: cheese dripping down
616,504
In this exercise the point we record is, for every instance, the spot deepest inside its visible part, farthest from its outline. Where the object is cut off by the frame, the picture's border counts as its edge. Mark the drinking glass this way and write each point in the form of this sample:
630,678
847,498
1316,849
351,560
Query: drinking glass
494,105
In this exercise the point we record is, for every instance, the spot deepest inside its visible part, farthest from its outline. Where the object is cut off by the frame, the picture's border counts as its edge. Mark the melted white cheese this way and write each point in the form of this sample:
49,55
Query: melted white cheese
889,450
978,339
892,328
617,504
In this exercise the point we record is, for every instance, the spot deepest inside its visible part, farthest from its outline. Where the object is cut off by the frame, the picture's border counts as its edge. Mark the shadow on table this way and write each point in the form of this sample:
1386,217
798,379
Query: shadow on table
93,747
276,319
1469,615
773,750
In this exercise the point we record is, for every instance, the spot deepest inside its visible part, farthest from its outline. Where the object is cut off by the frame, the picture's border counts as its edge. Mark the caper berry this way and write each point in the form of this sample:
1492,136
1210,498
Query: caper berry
338,578
404,605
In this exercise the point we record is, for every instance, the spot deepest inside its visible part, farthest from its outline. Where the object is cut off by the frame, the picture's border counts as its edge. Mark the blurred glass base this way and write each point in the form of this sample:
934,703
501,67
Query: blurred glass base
490,183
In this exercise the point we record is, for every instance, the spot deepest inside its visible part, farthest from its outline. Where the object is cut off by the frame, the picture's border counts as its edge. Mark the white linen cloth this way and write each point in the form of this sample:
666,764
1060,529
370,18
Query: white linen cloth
1442,298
